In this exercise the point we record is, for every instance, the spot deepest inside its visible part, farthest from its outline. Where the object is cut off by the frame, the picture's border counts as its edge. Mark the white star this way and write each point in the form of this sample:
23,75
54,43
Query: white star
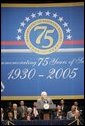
65,24
40,13
27,19
22,24
33,15
19,30
55,15
18,37
68,30
60,19
47,13
69,37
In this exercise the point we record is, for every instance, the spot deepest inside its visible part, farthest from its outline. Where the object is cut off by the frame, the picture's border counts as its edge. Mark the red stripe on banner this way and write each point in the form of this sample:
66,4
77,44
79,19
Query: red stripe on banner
21,43
16,43
74,42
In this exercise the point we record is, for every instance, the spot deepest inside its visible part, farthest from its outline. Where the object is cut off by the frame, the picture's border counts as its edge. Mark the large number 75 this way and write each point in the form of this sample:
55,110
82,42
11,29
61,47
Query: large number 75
44,34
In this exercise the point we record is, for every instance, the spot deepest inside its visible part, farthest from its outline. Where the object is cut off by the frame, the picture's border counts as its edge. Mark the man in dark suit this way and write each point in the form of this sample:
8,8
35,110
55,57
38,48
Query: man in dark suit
63,107
8,109
22,109
15,111
35,112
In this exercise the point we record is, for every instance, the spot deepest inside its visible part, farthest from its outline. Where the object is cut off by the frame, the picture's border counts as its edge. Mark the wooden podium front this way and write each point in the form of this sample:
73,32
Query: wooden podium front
46,116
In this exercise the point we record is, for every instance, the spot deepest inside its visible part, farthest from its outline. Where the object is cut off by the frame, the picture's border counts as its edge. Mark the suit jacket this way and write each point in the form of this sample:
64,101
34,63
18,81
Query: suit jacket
64,110
22,111
41,102
18,114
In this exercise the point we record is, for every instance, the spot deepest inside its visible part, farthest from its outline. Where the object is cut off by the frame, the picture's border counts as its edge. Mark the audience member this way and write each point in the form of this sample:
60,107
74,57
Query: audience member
22,109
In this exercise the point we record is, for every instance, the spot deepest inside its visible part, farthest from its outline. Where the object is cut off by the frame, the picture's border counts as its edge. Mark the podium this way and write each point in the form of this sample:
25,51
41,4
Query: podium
46,114
46,111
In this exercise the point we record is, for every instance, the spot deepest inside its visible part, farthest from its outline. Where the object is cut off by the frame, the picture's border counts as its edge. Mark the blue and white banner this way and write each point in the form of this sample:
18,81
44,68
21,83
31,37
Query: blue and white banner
42,49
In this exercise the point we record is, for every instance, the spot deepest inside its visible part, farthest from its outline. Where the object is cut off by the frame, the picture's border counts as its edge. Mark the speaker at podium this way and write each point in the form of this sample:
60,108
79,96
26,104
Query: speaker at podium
46,111
45,106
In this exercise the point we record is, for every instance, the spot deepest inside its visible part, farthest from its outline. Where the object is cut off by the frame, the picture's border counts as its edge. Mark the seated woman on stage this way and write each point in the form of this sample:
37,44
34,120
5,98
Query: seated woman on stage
28,115
59,114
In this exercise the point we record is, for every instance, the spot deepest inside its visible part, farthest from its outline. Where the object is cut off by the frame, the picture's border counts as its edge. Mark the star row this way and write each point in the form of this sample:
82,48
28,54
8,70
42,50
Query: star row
47,13
65,24
60,19
34,15
68,37
68,30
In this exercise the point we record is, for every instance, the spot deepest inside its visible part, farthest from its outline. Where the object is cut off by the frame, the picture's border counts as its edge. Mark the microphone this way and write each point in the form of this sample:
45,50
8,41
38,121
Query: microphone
45,101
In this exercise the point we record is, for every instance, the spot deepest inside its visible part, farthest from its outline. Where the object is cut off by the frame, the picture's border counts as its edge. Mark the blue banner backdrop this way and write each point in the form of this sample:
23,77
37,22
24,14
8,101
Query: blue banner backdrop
42,49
